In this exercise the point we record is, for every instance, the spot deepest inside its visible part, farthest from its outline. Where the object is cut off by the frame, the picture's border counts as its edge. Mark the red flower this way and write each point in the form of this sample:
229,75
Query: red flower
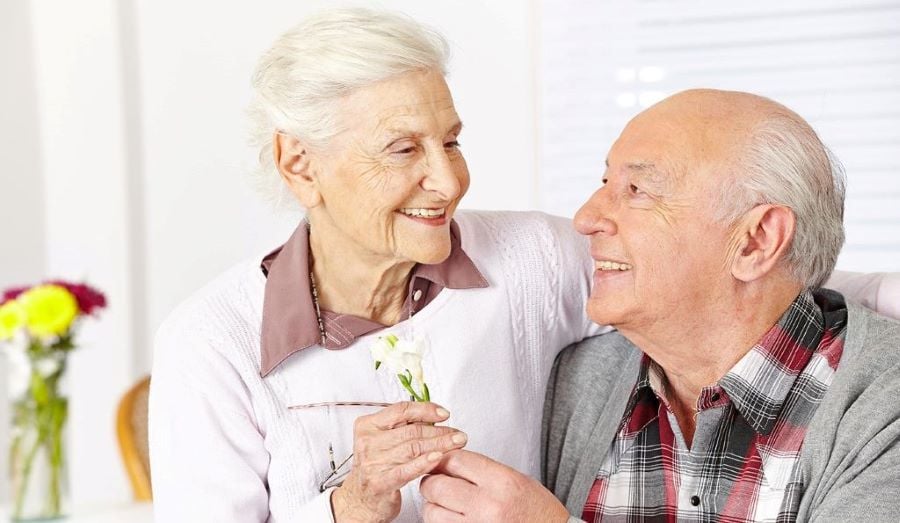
89,299
12,293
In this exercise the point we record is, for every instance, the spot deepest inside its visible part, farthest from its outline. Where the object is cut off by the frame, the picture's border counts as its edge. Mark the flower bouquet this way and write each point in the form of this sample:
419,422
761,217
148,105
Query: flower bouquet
37,329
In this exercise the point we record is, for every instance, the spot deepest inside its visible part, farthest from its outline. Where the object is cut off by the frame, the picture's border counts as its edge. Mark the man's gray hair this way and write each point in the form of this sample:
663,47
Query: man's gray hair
300,79
784,162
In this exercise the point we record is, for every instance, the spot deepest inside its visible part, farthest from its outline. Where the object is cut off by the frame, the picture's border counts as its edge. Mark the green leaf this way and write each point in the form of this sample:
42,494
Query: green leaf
392,339
425,392
377,364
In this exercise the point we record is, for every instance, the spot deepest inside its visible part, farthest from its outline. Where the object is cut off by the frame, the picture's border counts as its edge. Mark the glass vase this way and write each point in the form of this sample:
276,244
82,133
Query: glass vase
37,456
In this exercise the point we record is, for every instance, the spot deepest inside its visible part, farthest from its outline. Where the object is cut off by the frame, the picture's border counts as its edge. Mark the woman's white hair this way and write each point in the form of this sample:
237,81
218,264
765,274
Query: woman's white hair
300,79
785,163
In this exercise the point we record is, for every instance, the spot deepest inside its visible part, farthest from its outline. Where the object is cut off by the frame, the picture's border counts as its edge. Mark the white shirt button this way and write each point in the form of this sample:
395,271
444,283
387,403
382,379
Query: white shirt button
417,295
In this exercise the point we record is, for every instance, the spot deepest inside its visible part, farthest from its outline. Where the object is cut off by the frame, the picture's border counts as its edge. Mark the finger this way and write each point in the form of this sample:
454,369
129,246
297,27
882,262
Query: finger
472,467
387,440
410,449
432,513
406,412
403,473
451,493
415,431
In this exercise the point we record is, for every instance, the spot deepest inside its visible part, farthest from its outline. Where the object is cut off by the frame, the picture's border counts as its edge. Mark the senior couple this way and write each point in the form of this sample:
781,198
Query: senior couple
734,387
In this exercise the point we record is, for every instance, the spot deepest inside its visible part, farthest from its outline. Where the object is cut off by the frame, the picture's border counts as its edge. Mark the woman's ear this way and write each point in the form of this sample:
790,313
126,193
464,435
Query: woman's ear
293,161
764,238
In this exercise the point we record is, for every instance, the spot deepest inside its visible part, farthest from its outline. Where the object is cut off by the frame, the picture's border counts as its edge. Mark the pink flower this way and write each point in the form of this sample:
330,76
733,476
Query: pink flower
89,299
12,293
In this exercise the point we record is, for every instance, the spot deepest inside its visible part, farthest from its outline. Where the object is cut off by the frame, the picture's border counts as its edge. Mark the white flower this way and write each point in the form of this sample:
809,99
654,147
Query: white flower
47,366
408,356
18,370
381,349
404,358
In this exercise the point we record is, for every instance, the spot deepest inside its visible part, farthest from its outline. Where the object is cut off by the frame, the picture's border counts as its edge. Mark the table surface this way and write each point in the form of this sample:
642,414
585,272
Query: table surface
131,513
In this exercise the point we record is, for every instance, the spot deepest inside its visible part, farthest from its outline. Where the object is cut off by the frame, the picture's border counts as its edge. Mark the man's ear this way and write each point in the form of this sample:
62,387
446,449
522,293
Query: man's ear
292,159
763,238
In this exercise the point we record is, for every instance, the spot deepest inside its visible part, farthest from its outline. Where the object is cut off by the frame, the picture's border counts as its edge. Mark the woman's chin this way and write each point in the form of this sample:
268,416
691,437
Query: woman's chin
428,253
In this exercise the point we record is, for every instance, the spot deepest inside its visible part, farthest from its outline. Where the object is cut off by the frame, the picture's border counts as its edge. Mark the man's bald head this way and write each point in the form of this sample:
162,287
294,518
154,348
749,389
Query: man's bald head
752,150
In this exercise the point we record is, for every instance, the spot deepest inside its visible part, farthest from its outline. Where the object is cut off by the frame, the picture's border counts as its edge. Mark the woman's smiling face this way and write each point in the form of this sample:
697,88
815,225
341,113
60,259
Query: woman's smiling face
392,178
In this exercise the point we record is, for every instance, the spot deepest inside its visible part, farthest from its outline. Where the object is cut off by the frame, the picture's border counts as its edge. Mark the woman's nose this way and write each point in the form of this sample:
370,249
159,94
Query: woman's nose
441,176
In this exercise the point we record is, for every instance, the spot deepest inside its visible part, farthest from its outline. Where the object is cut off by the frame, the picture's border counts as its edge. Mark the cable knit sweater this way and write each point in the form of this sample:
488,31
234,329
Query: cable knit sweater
226,448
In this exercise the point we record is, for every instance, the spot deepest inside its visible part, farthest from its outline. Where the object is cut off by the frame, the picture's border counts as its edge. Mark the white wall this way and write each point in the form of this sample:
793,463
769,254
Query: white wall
22,252
88,224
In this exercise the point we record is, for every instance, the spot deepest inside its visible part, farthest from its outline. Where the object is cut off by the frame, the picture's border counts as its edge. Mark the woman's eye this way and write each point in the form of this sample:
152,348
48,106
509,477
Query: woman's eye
635,189
603,181
404,150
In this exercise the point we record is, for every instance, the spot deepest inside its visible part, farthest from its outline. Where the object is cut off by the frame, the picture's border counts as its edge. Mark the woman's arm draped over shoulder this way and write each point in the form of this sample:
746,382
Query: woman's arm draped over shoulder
879,291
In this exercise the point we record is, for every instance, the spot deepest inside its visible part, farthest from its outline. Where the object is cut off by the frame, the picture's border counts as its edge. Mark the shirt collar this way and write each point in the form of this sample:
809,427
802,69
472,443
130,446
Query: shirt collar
760,381
289,321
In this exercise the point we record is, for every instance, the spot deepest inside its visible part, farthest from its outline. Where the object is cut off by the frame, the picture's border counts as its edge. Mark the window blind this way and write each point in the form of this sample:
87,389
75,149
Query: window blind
834,62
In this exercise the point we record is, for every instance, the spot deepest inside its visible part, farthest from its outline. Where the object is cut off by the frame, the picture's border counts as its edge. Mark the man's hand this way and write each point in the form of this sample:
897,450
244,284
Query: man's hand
467,486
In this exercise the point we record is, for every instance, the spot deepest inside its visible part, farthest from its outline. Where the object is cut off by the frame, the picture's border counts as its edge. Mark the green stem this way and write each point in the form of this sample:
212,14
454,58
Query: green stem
23,479
55,450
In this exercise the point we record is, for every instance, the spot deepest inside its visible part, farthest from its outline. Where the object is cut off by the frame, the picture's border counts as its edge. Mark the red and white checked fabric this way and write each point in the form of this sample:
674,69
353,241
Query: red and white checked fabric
750,428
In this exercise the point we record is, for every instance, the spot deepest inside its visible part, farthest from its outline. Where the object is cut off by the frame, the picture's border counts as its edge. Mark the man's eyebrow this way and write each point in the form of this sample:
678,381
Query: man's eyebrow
641,166
647,171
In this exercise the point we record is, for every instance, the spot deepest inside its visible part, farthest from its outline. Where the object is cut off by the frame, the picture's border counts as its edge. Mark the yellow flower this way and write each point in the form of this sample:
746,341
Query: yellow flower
12,318
50,309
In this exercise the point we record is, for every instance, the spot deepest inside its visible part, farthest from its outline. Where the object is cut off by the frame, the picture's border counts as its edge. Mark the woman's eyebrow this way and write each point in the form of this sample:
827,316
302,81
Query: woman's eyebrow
392,134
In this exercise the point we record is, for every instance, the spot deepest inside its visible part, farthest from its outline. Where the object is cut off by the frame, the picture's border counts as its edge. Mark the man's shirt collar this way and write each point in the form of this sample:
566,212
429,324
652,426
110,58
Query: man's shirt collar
760,381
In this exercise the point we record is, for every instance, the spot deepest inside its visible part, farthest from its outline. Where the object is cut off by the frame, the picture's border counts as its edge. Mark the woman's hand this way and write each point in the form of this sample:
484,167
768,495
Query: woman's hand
391,448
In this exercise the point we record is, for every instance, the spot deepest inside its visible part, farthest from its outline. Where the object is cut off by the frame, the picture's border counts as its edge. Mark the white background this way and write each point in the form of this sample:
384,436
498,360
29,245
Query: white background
123,157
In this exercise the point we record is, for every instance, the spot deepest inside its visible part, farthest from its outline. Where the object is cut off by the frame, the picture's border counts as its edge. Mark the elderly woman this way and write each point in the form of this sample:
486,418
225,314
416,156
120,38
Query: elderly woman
259,379
265,403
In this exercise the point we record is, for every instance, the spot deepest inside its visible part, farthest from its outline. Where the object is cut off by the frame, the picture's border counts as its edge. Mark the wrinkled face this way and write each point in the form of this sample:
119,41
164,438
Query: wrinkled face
657,251
391,181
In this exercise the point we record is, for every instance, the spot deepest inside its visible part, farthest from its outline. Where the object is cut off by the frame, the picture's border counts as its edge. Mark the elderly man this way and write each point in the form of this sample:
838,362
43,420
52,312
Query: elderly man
735,389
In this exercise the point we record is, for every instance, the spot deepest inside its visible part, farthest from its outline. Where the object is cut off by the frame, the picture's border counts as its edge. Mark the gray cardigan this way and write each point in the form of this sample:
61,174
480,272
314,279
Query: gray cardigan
850,458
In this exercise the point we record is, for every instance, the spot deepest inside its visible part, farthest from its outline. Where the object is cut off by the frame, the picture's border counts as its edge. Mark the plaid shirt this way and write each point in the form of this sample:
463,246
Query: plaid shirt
750,427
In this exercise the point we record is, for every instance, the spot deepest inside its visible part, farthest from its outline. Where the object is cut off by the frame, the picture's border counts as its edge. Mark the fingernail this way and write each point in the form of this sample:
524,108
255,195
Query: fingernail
442,412
434,456
459,438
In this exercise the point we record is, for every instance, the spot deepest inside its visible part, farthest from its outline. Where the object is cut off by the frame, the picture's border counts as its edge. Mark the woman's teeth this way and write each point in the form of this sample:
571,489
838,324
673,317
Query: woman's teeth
611,266
423,213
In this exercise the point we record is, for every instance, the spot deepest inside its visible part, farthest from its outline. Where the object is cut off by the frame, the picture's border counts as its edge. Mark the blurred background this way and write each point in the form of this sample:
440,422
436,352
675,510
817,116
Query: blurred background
124,159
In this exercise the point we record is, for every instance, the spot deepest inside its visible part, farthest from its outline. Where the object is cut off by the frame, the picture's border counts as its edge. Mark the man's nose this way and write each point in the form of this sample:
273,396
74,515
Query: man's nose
591,218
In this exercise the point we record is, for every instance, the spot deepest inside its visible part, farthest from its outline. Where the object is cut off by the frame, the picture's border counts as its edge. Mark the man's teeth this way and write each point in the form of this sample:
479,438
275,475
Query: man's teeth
612,266
423,213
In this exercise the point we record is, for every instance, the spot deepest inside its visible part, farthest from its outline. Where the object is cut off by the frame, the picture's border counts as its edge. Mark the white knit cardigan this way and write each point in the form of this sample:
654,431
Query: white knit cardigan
226,448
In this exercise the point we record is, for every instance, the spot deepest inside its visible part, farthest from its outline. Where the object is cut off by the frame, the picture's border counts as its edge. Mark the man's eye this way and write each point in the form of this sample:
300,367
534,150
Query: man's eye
635,189
452,144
